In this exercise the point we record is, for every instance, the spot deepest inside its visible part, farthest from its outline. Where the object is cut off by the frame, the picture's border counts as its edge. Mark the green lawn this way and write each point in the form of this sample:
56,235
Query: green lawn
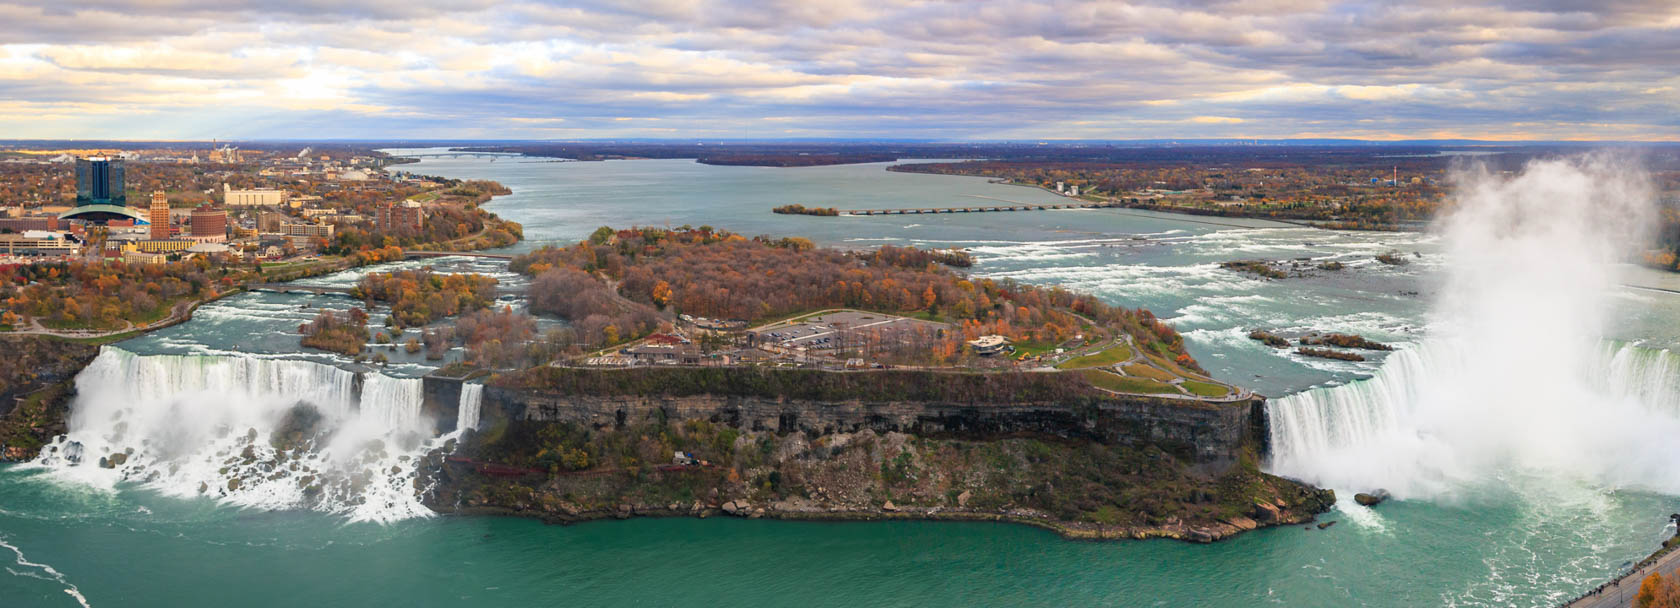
1144,370
1101,359
1205,389
1123,384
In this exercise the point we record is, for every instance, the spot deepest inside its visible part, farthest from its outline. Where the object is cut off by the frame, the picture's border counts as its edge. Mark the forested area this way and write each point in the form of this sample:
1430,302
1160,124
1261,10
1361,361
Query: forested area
107,295
418,297
622,278
345,334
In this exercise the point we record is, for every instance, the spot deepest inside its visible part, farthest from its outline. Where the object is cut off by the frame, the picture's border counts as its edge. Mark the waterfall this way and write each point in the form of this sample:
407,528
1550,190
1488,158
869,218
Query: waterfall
1420,428
1515,379
254,432
472,396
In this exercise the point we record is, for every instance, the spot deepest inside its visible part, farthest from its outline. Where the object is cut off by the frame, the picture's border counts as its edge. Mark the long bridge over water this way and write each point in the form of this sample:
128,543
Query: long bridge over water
1007,205
977,209
460,155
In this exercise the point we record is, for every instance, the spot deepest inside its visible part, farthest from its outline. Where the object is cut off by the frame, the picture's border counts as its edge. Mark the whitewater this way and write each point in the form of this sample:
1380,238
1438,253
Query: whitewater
1515,378
255,432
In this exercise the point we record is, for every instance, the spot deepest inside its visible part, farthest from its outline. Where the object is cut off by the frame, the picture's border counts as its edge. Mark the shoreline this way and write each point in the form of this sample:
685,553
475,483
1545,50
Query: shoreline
1195,211
1069,531
1664,560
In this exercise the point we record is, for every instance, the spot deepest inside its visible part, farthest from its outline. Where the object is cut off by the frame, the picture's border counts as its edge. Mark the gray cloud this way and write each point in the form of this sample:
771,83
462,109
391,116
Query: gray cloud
958,68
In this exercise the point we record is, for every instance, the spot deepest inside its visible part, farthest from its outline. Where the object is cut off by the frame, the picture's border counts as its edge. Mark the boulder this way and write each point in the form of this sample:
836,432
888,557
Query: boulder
757,513
963,498
1326,524
117,459
1372,499
1243,523
624,511
889,507
736,507
1265,513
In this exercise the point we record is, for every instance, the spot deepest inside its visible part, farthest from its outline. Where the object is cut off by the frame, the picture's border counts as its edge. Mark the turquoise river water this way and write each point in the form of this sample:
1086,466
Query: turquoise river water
1509,535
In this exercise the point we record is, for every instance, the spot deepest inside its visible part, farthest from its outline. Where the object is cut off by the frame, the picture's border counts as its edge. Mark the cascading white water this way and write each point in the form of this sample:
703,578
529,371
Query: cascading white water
1515,375
254,432
472,396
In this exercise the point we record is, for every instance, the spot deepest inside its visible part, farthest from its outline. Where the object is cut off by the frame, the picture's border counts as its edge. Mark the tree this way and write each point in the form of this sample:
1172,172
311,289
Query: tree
602,235
661,293
1657,591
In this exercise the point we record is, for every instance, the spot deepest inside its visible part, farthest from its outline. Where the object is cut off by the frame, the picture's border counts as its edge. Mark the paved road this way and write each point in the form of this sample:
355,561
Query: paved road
1620,593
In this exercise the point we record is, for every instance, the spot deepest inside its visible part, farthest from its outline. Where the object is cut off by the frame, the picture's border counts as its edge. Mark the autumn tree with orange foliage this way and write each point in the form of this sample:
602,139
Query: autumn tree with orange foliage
1658,591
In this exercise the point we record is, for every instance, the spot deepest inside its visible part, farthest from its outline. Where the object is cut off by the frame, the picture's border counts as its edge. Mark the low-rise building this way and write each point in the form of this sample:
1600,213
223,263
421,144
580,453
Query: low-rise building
141,257
307,230
38,244
260,197
163,246
989,345
407,215
665,354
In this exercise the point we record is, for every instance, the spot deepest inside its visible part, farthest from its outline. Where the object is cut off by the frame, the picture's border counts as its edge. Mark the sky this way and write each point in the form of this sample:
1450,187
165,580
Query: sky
917,69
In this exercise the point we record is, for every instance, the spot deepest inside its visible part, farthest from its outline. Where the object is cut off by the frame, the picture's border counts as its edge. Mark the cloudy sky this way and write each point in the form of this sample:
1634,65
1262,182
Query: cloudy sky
929,69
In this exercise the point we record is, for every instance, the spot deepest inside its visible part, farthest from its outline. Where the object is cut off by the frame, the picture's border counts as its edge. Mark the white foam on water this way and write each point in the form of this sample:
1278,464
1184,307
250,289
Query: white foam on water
254,432
43,572
1514,378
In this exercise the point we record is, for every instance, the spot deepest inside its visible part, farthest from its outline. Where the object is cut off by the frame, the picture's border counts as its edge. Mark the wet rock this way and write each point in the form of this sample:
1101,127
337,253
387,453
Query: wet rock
1199,535
1372,499
233,484
1326,524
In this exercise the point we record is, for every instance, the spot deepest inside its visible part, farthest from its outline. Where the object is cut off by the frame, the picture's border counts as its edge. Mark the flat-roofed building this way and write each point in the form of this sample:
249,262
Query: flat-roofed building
158,215
163,246
255,197
36,243
209,225
307,230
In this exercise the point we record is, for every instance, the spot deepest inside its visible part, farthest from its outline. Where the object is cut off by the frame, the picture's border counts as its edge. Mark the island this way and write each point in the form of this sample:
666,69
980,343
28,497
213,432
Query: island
706,373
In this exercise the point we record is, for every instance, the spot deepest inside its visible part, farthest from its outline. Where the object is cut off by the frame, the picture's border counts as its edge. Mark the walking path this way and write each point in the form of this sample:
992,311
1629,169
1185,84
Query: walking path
1621,591
176,315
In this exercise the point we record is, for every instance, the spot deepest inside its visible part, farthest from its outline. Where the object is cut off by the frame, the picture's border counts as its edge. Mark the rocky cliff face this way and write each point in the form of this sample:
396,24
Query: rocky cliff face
1210,435
36,383
1085,466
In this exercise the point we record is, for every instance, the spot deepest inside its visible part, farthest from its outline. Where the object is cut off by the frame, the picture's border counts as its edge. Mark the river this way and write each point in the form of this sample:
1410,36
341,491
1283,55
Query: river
1520,538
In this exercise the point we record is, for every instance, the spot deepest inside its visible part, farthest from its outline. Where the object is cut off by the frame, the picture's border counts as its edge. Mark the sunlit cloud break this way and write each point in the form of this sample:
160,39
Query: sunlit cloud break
999,69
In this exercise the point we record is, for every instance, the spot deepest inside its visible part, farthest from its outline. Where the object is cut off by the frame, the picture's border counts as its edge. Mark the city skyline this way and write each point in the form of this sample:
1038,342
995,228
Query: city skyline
187,70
